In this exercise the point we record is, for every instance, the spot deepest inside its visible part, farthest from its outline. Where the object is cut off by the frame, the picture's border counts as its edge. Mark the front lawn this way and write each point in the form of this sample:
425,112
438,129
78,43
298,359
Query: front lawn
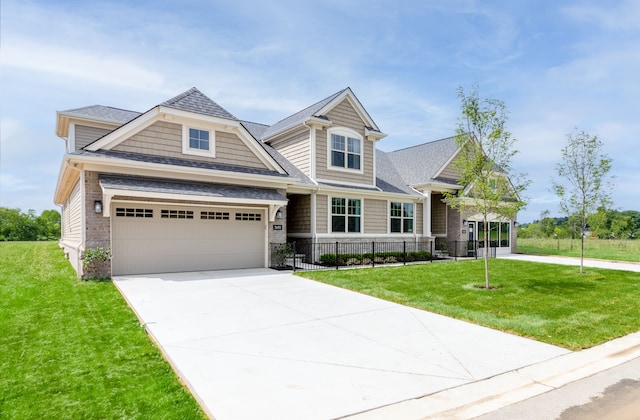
607,249
73,349
550,303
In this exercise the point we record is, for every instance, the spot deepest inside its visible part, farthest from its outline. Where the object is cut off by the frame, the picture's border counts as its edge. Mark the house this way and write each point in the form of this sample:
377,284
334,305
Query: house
187,186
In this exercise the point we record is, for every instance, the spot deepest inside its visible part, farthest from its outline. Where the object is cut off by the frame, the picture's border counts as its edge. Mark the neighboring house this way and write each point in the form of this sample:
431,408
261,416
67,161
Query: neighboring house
187,186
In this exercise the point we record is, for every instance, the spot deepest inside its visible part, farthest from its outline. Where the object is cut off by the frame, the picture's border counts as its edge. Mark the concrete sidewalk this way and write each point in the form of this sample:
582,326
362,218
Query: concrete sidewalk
588,262
264,344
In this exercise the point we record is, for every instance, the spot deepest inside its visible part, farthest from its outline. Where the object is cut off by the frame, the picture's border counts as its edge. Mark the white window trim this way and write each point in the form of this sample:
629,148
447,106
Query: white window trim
402,218
346,227
198,152
346,132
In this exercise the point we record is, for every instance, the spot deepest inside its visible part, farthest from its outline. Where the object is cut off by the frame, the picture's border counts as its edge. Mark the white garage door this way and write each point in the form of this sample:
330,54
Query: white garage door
163,239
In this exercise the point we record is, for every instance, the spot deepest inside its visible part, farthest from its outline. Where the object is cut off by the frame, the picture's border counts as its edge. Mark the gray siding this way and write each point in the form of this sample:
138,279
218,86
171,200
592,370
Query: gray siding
165,139
418,219
85,135
322,201
438,215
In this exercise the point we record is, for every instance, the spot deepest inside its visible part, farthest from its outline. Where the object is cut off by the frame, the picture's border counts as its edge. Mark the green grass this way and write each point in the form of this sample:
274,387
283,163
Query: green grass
73,349
615,249
547,302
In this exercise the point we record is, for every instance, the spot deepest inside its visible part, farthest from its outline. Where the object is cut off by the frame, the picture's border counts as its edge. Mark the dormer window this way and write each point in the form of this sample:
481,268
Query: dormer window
198,141
345,149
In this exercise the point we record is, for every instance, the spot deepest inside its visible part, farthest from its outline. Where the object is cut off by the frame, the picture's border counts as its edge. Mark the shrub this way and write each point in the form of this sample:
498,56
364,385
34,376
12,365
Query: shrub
380,258
97,255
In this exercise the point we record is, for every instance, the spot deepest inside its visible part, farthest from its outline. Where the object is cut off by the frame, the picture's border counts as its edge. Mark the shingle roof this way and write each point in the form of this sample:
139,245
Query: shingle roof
419,164
102,112
170,186
387,177
195,101
299,116
139,157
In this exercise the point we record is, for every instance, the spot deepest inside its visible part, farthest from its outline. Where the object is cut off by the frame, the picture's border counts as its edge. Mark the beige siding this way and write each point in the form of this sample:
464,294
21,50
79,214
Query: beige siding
375,216
85,135
296,147
343,115
438,215
449,172
72,217
165,139
299,212
418,219
322,201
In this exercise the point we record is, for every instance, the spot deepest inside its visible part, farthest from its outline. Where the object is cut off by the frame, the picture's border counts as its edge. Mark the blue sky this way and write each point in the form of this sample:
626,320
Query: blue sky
556,65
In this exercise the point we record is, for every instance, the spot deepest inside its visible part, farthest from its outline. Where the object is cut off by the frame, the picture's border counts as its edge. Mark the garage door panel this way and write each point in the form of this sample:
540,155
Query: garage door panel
154,245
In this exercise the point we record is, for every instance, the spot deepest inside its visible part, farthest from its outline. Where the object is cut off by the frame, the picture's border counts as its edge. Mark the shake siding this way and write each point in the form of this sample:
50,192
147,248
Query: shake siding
86,135
165,139
321,213
343,115
299,212
73,216
297,149
418,219
375,216
438,215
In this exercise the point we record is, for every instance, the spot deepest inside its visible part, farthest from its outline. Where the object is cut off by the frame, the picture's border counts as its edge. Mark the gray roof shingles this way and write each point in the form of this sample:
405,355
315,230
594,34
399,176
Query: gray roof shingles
170,186
195,101
102,112
139,157
419,164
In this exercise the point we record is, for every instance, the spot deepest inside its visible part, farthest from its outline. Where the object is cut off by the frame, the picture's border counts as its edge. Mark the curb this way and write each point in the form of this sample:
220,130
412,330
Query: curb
481,397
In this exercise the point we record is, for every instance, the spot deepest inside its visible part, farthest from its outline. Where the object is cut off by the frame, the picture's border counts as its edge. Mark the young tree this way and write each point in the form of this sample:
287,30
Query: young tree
484,164
582,183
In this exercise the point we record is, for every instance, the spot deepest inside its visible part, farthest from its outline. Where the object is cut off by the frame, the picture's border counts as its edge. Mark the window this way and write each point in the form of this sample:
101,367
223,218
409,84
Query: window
254,217
499,234
345,215
214,215
176,214
401,217
129,212
345,149
198,141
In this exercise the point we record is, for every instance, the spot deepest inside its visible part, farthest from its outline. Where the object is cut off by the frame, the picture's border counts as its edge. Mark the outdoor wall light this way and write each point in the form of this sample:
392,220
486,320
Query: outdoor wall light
97,206
279,214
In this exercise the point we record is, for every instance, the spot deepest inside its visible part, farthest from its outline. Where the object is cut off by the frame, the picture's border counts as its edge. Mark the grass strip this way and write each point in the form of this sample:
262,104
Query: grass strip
547,302
73,349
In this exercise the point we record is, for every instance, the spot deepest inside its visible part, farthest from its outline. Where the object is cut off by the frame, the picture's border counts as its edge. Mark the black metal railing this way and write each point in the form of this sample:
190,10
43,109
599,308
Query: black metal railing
335,255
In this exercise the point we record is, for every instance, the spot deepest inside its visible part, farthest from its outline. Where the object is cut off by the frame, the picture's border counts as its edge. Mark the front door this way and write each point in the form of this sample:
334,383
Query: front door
471,228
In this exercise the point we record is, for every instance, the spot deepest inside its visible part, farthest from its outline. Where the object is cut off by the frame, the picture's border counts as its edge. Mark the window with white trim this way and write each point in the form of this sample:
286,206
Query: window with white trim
345,149
401,217
346,215
198,141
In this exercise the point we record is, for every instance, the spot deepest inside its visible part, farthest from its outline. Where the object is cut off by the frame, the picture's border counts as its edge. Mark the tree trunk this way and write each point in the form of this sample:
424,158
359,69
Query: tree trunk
487,232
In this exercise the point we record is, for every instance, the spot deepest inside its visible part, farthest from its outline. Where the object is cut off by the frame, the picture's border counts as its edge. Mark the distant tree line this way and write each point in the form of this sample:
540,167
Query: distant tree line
18,226
604,224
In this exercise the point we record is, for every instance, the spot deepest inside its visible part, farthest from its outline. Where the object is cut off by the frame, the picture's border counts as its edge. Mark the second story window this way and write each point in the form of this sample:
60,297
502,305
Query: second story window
345,150
198,141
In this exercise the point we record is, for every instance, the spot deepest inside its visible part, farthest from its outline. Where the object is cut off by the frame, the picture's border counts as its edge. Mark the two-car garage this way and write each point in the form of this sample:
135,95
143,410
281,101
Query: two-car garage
171,238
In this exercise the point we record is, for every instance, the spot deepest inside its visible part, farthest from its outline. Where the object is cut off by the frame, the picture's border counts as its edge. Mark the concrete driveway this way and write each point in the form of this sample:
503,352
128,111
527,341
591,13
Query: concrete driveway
265,344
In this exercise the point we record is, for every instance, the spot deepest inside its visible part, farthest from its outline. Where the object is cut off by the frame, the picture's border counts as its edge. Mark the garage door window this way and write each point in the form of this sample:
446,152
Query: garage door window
249,216
131,212
176,214
214,215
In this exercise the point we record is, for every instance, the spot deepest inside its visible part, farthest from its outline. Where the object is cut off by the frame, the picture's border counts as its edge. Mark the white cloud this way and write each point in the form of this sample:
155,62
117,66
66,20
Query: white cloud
54,60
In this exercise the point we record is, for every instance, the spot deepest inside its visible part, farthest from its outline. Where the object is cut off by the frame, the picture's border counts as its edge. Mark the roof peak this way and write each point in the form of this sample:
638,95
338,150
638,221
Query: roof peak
193,100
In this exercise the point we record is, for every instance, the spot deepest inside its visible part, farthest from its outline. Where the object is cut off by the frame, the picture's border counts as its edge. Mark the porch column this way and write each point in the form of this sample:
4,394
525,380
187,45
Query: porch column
426,213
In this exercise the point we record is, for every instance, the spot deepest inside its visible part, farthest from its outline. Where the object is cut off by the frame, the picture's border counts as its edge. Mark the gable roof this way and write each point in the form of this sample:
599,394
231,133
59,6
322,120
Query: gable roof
388,178
103,113
195,101
318,111
299,116
422,163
